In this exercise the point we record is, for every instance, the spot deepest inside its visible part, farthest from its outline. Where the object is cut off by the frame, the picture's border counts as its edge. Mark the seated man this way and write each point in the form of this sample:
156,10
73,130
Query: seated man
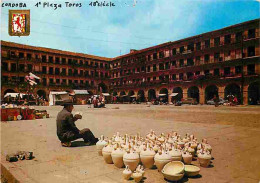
67,130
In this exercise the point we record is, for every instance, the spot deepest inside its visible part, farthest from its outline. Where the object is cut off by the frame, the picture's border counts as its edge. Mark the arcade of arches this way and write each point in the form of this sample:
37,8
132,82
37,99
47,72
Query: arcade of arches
251,93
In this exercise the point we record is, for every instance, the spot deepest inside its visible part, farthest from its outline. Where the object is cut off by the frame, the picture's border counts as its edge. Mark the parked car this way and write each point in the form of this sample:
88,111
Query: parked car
221,101
191,101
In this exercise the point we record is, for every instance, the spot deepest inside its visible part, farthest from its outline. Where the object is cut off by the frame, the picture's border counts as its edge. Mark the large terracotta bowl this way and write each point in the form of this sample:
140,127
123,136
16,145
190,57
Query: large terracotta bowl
191,170
173,171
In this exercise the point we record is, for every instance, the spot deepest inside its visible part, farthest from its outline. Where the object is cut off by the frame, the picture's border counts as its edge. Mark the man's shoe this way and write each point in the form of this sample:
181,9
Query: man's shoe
66,144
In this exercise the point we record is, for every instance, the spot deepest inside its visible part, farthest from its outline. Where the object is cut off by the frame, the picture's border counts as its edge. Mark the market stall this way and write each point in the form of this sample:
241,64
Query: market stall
80,96
57,97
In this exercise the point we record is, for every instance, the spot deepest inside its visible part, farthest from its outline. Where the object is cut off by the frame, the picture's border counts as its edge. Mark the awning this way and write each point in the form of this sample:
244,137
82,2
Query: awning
13,94
160,95
81,92
58,93
106,94
174,94
123,96
133,96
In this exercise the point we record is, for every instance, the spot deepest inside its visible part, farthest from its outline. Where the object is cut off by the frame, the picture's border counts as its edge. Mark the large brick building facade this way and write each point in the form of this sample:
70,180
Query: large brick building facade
221,62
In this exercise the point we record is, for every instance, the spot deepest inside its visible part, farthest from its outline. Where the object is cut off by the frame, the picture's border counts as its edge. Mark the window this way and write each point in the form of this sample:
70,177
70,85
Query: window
21,67
251,33
190,62
64,81
182,49
174,51
87,83
189,75
44,58
12,54
174,63
227,71
69,61
251,69
227,39
13,67
57,71
81,63
51,70
217,41
51,80
81,72
101,74
70,72
21,55
198,59
251,51
161,54
216,57
181,76
198,46
206,72
155,56
92,83
174,77
57,60
44,81
75,72
148,79
44,69
154,78
50,59
76,81
154,67
207,43
238,36
29,56
181,62
70,82
216,72
191,46
149,58
21,79
92,74
5,66
161,66
197,73
29,67
101,65
148,68
238,69
81,82
57,81
63,60
167,66
63,71
206,58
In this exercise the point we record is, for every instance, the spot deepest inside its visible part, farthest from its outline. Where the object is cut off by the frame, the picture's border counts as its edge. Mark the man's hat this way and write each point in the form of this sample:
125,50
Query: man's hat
67,103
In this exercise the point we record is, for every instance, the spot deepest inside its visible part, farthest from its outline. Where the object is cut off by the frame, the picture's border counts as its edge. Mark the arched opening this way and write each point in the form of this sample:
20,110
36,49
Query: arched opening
102,88
140,96
131,96
163,94
41,94
9,91
193,92
210,92
180,93
151,95
131,93
123,96
254,93
114,93
122,93
231,91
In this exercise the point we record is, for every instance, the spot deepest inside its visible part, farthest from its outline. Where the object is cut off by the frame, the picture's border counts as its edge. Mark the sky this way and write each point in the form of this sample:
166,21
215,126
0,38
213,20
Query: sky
130,24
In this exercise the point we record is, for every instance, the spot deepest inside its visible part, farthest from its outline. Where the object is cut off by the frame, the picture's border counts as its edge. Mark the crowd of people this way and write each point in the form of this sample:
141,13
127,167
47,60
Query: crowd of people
98,101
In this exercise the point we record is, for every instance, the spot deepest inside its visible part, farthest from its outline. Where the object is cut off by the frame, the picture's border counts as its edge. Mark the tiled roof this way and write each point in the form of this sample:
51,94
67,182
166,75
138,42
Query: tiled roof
56,51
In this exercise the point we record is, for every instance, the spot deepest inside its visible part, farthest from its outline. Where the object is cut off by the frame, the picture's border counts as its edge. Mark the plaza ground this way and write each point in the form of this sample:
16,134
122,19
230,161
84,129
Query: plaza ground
233,133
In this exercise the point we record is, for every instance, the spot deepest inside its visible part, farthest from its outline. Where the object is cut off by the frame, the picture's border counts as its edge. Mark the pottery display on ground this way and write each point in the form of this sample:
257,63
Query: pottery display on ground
204,158
173,171
106,151
175,154
117,157
131,159
100,144
127,173
137,176
147,157
161,159
187,157
191,170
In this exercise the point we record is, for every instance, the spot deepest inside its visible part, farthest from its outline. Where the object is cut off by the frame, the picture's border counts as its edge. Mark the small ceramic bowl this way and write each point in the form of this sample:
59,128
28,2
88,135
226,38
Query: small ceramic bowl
173,171
191,170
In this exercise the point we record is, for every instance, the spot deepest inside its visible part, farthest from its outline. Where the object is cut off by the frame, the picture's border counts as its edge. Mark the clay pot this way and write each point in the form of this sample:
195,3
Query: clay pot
137,176
127,173
117,157
106,151
181,143
147,157
187,158
204,159
140,169
175,154
131,159
100,144
191,150
161,159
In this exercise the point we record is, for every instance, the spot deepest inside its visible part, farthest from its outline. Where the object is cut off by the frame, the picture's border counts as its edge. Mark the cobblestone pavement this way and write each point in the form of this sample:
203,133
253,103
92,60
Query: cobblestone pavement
233,132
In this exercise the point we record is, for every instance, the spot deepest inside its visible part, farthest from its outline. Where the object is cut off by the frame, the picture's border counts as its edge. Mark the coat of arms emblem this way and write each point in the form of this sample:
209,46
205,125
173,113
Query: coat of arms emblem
19,22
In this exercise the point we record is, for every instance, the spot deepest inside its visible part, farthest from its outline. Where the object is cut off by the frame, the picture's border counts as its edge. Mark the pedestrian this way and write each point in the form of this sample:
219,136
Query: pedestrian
67,130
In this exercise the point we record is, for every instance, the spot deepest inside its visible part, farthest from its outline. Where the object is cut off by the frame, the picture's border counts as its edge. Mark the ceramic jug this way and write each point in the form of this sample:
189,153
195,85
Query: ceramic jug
100,144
